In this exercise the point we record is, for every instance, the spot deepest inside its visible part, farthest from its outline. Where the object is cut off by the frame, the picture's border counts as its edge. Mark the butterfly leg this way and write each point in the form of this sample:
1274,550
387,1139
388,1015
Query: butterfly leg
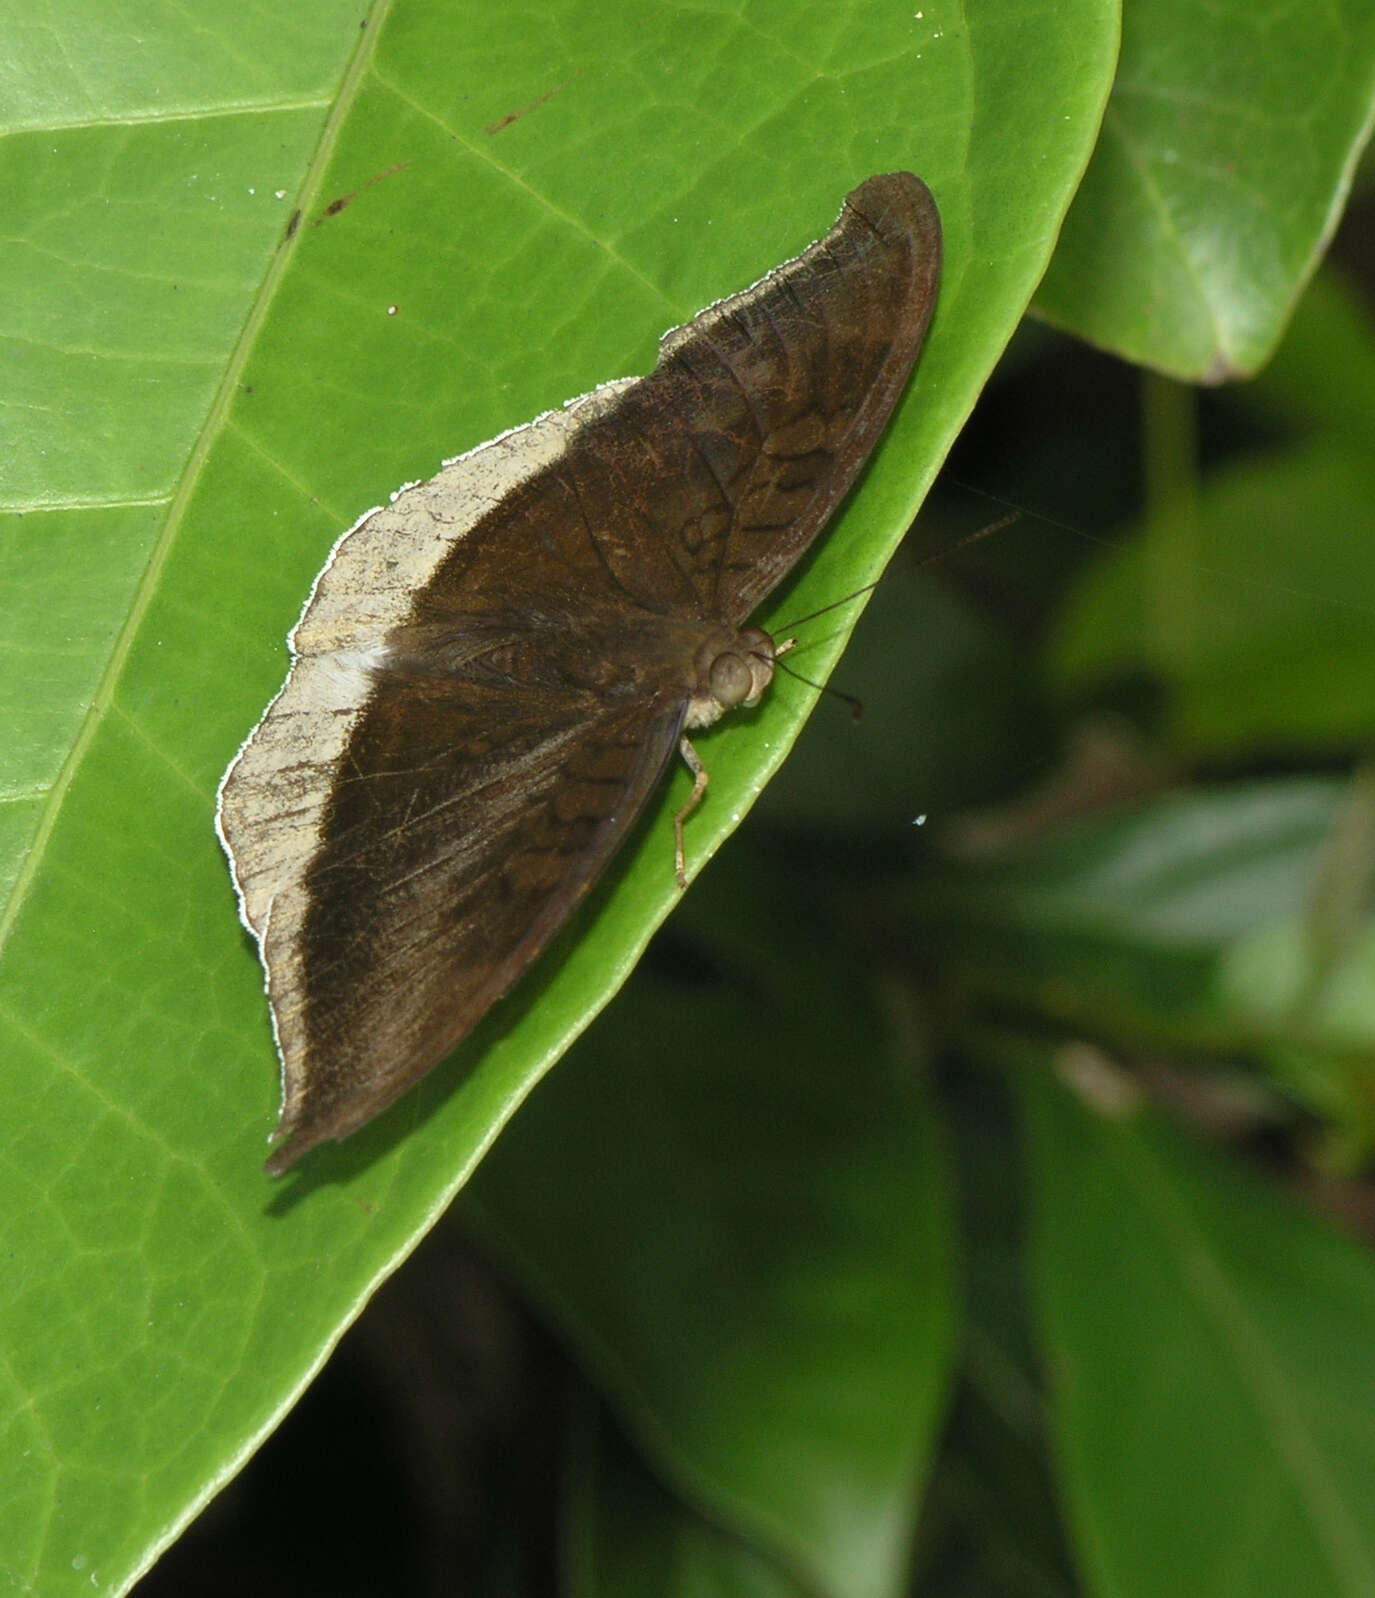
700,779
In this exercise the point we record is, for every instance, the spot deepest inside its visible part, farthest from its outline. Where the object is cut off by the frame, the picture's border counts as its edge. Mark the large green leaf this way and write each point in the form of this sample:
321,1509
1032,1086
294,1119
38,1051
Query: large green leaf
198,399
1226,158
1208,1346
735,1203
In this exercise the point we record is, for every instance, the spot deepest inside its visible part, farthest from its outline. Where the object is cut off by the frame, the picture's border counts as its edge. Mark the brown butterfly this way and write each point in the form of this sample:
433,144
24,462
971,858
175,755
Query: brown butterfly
493,672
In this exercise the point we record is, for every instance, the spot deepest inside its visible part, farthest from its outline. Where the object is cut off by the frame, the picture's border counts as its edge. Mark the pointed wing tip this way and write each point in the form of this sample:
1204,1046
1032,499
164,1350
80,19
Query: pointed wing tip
285,1155
312,1117
295,1136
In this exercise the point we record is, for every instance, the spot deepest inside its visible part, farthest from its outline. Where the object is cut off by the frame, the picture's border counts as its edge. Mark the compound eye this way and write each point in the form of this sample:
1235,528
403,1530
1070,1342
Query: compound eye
732,681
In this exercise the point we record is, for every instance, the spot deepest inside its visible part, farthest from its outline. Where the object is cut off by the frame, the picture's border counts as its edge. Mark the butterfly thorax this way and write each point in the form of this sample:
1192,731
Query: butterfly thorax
730,669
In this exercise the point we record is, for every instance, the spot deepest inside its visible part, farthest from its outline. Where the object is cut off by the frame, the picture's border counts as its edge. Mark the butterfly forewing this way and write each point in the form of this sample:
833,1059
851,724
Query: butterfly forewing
740,444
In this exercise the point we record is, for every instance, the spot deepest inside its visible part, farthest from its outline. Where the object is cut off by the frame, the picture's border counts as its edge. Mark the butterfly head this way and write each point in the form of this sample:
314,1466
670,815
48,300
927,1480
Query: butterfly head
730,670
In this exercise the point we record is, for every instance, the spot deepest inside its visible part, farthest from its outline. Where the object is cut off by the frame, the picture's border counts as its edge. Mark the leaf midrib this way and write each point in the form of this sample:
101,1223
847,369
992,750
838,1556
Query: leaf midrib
215,421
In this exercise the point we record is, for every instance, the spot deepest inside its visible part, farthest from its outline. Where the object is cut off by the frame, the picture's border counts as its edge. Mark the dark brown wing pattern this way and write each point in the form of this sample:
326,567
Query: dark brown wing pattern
448,868
763,410
492,672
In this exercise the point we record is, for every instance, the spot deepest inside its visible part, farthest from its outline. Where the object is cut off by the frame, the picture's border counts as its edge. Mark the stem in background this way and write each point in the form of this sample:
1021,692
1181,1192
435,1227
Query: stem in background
1170,444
